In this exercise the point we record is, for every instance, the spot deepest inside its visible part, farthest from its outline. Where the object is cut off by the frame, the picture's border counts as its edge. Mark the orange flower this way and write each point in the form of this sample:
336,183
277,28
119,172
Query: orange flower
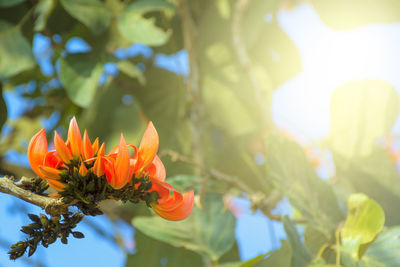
173,207
78,154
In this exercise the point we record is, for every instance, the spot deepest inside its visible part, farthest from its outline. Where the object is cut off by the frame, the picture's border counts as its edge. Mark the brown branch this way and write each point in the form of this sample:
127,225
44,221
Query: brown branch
232,180
52,206
258,199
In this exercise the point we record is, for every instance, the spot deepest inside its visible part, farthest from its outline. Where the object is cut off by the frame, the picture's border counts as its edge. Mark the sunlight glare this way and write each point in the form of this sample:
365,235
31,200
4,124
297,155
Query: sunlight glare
329,59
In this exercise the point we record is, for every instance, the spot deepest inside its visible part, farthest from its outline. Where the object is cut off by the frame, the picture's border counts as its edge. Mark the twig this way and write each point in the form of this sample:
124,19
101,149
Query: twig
232,180
258,199
50,205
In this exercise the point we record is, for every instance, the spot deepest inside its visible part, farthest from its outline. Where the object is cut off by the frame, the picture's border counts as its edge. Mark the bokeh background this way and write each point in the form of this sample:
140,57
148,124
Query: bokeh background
266,108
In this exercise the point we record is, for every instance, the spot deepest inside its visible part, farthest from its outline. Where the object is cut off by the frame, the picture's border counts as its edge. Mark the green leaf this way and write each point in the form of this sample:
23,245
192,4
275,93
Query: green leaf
356,13
92,13
229,112
22,131
364,222
301,256
16,53
361,111
163,99
10,3
79,74
375,175
108,116
209,231
131,70
150,252
281,257
292,173
42,11
248,263
314,240
144,6
138,29
385,249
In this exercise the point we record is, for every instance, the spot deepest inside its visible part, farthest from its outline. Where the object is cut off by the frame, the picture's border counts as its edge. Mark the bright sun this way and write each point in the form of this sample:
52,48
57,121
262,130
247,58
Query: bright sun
330,58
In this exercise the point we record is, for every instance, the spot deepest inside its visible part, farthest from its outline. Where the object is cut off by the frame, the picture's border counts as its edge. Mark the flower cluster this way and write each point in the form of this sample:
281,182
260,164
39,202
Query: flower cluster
78,157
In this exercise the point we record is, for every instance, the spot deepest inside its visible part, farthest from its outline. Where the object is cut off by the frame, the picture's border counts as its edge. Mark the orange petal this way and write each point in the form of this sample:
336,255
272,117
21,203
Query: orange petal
157,170
50,173
147,149
37,151
87,149
122,165
98,167
162,188
57,185
109,171
83,170
95,146
52,160
101,152
62,149
74,138
182,210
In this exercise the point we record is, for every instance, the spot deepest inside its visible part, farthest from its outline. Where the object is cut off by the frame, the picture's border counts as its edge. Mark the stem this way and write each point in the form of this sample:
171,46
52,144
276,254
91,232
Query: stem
50,205
259,200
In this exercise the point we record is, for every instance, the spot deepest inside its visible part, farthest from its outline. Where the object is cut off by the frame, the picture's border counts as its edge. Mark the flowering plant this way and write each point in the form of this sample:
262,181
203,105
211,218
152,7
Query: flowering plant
83,175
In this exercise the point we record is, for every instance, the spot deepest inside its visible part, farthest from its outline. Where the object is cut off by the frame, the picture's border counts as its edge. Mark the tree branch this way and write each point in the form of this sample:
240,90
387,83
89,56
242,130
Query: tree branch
258,199
52,206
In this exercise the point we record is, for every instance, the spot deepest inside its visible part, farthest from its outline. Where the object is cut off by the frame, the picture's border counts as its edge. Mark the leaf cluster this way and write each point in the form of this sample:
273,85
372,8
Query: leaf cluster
44,230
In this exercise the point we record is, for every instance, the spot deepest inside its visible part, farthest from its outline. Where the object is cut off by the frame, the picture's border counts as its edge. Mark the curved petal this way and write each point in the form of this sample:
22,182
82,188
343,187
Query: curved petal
57,185
95,146
98,167
122,165
50,173
62,149
52,160
37,151
74,138
147,149
182,210
162,189
156,170
101,150
83,170
87,149
109,171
